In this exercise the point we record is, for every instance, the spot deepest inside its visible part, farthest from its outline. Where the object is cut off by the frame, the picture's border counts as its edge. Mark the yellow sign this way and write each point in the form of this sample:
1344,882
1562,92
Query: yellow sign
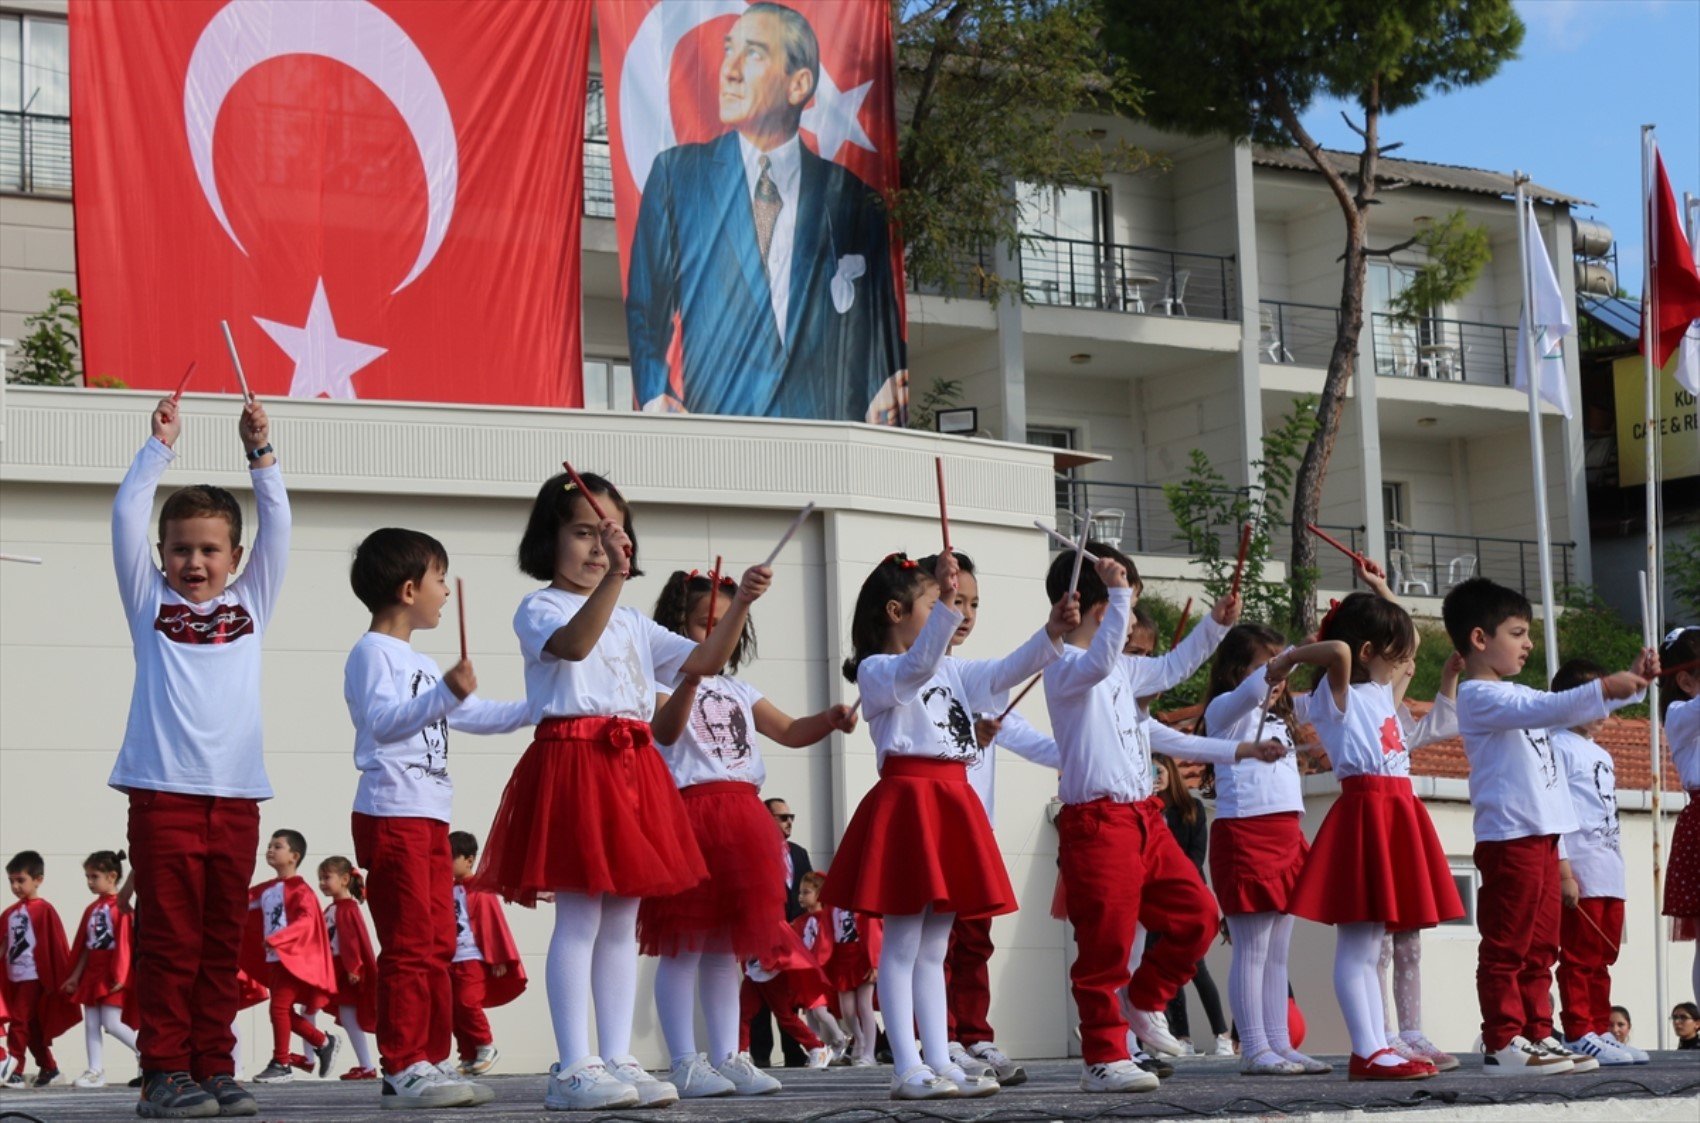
1679,424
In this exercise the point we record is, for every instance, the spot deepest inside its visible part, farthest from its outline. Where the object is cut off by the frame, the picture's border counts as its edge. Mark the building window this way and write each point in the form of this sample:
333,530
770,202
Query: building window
608,385
1049,436
1064,254
35,105
1468,881
598,167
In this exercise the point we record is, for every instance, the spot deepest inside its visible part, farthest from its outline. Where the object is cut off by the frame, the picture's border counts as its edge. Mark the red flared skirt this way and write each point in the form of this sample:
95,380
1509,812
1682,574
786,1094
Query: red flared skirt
94,988
920,837
740,906
1376,859
850,965
590,809
1682,880
1255,862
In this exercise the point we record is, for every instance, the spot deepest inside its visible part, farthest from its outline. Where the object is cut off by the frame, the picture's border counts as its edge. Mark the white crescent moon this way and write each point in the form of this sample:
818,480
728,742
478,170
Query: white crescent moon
646,112
245,33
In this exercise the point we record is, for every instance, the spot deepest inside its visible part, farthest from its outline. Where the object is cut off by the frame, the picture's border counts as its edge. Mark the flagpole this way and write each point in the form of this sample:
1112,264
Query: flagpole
1651,584
1531,362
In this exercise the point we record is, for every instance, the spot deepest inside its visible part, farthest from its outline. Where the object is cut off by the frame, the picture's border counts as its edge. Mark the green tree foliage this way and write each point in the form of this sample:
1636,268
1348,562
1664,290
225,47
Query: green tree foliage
1682,565
50,354
1454,253
1249,69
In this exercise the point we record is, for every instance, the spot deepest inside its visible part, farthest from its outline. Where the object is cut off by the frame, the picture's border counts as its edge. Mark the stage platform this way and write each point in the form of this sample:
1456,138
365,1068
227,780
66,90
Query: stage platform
1666,1090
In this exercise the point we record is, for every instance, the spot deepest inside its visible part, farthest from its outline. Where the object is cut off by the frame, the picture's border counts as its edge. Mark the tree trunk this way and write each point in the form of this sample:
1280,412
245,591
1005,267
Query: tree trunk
1342,361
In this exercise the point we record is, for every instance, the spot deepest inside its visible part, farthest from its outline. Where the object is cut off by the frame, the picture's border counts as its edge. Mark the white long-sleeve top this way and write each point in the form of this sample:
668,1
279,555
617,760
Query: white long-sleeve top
194,726
1439,724
719,741
1516,786
1594,847
1682,730
1016,735
1366,739
919,703
1093,697
402,713
1253,787
617,678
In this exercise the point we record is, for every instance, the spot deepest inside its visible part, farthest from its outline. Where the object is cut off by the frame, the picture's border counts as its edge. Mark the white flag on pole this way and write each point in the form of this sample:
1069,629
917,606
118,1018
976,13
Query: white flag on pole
1552,323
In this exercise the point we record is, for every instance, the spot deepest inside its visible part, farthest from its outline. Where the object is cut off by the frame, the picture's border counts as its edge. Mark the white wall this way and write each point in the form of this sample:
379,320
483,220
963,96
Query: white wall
37,255
1181,410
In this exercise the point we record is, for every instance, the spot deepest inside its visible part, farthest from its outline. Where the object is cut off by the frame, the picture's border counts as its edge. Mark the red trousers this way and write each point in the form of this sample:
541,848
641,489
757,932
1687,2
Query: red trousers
286,991
1517,914
25,1032
967,982
1120,868
1586,952
776,992
193,857
472,1028
410,890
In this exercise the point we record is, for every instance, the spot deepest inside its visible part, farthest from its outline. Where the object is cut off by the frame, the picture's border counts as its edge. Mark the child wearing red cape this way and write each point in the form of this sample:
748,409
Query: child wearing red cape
101,979
355,1006
486,970
286,945
37,964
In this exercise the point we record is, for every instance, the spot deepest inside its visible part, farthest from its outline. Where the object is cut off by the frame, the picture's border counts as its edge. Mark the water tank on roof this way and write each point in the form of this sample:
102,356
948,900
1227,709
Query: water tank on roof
1590,238
1595,279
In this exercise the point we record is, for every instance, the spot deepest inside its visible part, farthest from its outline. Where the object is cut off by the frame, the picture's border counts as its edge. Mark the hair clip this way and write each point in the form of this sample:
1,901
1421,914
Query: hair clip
901,559
726,580
1676,634
1322,628
569,486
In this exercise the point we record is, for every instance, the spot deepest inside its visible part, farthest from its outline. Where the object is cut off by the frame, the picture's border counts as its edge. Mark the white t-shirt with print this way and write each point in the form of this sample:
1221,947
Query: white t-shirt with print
618,677
466,944
20,946
1595,846
719,740
273,916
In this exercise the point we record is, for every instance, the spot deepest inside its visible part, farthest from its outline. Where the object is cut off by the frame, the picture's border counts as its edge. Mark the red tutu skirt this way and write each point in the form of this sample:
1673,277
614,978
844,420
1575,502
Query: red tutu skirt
740,906
1255,862
1376,860
590,809
920,838
1682,880
850,965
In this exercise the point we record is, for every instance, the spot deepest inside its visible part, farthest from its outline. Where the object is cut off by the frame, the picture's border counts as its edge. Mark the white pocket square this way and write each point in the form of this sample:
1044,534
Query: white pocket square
850,266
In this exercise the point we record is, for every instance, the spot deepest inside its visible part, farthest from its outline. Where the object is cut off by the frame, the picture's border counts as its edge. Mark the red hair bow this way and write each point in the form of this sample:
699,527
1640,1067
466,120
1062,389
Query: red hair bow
1322,628
902,560
726,580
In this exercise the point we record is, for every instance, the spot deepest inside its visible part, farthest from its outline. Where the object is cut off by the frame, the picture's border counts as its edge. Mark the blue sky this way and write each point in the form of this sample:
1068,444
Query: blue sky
1569,109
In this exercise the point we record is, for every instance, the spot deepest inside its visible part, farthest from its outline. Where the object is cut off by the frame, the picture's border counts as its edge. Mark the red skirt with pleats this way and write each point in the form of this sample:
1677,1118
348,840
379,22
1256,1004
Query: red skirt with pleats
1682,880
1255,862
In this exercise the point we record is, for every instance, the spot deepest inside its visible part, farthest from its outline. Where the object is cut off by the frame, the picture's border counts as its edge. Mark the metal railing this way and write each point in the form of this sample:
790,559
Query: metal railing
1448,350
1430,564
1141,279
35,153
1288,332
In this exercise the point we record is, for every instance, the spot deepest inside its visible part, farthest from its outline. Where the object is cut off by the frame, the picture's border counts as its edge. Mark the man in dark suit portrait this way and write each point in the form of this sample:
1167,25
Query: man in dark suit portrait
776,261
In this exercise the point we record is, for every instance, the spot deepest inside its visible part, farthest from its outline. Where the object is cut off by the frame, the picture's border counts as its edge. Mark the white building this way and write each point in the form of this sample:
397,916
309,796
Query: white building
1174,309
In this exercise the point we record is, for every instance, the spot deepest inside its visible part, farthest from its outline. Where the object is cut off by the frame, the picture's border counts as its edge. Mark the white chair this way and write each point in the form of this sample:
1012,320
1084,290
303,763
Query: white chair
1107,526
1407,576
1460,569
1269,340
1174,294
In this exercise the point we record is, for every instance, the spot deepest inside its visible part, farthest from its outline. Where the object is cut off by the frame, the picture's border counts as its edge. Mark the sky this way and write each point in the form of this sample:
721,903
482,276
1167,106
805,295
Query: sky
1568,111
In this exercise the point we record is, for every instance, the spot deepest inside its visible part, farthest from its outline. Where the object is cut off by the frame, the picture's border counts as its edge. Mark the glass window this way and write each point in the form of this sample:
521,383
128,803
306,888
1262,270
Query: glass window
598,170
1047,436
35,104
1063,252
608,385
1467,881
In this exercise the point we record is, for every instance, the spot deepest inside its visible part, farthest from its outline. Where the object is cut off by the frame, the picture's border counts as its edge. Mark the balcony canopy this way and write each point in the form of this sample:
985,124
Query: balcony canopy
1445,177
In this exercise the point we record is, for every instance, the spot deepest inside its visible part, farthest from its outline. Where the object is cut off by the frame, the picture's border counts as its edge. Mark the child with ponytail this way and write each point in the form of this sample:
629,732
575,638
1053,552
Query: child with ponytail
100,980
355,1004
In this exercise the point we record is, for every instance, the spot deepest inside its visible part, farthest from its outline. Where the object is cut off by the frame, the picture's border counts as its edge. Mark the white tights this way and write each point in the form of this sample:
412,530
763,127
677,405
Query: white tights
593,950
1357,986
350,1018
104,1019
911,986
680,981
1257,984
1403,952
857,1006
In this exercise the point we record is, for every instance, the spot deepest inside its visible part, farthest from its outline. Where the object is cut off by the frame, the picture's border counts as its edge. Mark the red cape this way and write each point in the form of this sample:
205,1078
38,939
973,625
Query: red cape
355,957
110,970
303,947
250,991
490,929
52,964
809,984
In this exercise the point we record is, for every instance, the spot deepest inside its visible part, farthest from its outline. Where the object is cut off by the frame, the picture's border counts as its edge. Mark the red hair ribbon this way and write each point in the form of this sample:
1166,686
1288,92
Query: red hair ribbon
725,580
902,560
1322,628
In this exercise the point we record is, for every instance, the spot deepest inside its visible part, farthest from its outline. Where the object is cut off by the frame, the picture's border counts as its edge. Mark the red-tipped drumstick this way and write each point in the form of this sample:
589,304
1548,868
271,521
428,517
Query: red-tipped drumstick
713,592
578,482
177,394
460,606
1692,664
1016,701
1239,566
236,361
857,706
1336,543
944,514
1186,612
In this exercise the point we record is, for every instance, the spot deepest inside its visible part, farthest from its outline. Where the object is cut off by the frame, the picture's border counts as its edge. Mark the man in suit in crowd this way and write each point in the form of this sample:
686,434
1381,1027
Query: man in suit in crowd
777,262
796,865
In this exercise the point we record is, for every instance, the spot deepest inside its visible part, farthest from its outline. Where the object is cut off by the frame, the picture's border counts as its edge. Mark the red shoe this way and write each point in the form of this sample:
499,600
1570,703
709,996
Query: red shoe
299,1061
358,1073
1362,1068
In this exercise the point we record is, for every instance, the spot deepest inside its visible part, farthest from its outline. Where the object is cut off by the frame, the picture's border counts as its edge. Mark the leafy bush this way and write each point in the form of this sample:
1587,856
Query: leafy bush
51,354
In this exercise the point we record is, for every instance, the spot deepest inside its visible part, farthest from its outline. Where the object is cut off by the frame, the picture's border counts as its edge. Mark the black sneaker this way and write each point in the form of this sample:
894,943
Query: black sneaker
275,1073
233,1099
134,1082
326,1054
173,1095
45,1077
1155,1065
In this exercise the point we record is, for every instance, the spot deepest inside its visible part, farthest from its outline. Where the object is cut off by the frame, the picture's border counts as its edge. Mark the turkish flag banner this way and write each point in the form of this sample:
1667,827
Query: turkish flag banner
754,152
382,197
1676,279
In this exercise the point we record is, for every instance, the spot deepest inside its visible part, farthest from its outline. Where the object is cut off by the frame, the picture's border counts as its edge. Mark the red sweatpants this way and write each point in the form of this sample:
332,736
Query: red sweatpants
410,890
1121,867
286,992
776,992
1585,957
472,1028
1517,913
193,857
24,1032
967,983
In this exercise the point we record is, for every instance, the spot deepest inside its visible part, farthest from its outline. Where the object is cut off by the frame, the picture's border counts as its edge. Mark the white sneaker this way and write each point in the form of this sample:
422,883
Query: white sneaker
1640,1055
1152,1028
423,1085
1602,1049
1521,1058
481,1061
1224,1046
922,1083
696,1079
1579,1062
1007,1071
8,1066
1117,1076
971,1085
481,1093
1186,1048
820,1057
587,1086
967,1062
863,1062
651,1092
93,1078
746,1078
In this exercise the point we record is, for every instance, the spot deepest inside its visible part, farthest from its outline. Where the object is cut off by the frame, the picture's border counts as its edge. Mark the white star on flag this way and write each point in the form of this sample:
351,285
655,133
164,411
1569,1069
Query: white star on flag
324,362
834,116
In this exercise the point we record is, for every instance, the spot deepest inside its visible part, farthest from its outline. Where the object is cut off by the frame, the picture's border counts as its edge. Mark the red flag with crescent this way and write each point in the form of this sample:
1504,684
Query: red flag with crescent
382,197
781,298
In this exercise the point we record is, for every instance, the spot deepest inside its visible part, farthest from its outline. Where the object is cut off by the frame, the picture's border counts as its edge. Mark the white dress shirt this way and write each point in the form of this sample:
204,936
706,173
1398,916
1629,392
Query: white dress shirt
785,166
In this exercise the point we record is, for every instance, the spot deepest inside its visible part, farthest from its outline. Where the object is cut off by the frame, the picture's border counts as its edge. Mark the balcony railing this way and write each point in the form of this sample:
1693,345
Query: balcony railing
35,153
1296,333
1449,350
1140,279
1430,564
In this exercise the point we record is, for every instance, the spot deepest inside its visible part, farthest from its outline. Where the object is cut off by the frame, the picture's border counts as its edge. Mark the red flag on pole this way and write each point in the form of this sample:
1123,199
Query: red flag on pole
1676,281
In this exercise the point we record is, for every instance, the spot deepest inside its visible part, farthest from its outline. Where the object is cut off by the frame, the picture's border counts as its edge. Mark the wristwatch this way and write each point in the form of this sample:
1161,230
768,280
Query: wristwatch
264,450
